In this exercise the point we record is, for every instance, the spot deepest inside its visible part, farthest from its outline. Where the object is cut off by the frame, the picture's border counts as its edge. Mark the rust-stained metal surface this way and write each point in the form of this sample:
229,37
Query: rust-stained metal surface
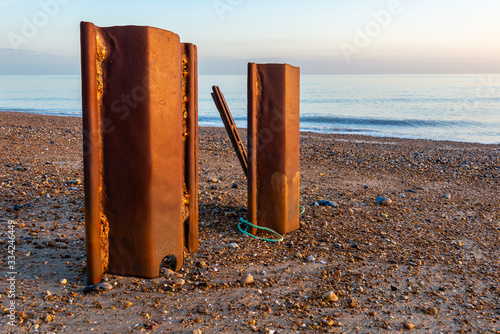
232,131
273,146
190,137
140,149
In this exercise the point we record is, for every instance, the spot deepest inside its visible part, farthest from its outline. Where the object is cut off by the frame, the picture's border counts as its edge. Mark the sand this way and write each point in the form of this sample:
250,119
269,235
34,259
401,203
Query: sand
429,263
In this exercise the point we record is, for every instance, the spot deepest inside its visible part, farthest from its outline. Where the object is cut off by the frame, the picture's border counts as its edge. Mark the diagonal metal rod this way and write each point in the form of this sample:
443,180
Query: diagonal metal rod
231,129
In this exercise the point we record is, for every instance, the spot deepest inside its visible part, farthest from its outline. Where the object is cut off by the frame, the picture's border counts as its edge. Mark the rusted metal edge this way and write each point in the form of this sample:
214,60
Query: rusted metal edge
252,92
190,55
230,126
91,139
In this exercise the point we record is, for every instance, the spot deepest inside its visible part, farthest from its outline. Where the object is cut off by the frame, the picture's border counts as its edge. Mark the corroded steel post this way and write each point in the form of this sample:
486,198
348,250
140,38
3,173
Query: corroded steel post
91,134
140,148
190,137
232,131
273,146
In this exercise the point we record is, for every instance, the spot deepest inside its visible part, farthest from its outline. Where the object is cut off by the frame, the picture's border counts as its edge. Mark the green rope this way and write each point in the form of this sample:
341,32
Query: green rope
248,224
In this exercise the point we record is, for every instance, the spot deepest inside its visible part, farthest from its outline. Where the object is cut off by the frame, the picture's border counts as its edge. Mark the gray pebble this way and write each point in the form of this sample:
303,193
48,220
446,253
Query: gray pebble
381,200
103,286
327,203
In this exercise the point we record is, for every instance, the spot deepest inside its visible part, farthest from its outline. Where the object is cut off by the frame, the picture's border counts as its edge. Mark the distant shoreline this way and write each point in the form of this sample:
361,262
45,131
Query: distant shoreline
310,134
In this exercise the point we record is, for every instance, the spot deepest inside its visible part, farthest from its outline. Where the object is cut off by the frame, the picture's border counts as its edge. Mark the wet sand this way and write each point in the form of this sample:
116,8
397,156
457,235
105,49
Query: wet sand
429,263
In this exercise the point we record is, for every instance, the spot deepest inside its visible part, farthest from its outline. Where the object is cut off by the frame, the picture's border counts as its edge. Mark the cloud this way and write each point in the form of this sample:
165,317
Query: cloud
33,62
394,65
12,52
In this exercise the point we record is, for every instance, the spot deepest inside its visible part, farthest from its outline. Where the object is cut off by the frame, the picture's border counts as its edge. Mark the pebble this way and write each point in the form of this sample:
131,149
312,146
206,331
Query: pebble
234,186
311,258
179,282
416,263
327,203
202,309
202,265
171,274
327,322
381,200
408,325
469,306
353,245
447,196
431,310
63,281
103,286
152,325
247,279
330,296
234,245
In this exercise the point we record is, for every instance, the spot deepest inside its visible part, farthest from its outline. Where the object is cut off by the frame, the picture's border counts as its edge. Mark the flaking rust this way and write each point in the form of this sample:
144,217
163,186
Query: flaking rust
100,59
190,144
104,228
140,149
273,146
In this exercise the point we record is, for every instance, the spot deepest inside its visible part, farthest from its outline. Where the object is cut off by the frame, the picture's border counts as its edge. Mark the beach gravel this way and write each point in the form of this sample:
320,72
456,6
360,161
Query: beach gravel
427,263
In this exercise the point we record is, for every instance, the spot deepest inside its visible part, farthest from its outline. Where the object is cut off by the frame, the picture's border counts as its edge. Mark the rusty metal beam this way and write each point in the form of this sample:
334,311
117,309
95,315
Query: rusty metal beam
190,113
232,131
273,146
91,121
140,149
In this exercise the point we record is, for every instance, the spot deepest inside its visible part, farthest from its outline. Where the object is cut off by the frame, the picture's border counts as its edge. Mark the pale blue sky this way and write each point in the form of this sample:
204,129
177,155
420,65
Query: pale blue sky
320,36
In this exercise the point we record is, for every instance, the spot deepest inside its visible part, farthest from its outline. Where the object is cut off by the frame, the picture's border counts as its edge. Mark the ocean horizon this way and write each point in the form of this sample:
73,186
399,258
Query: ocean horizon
455,107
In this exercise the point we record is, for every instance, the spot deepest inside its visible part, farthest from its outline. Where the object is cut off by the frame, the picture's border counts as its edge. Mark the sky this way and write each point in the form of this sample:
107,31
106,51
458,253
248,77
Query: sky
320,36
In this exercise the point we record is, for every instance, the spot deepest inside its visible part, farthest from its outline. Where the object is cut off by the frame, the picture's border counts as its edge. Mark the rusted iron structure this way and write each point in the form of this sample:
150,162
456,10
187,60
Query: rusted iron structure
139,93
232,131
273,146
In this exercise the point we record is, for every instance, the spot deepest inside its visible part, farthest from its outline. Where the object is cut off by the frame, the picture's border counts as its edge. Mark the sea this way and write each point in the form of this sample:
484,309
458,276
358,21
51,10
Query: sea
464,108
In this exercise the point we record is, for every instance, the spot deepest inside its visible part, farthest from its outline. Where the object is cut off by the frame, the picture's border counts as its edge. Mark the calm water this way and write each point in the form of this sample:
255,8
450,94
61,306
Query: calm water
447,107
